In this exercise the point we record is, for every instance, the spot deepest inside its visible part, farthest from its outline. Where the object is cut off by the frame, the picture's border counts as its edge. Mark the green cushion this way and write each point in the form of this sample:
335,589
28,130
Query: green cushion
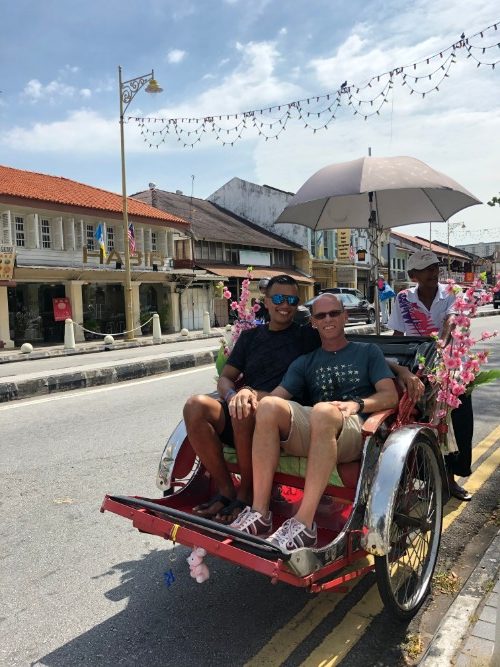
290,465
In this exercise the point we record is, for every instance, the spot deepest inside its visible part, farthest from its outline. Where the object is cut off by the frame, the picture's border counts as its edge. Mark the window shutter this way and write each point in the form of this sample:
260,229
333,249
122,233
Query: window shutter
6,229
139,238
78,234
33,231
119,245
170,245
57,234
69,234
161,236
147,240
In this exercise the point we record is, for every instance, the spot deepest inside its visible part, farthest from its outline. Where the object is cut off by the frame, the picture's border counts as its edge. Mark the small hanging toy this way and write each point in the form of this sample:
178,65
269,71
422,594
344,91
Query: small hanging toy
197,568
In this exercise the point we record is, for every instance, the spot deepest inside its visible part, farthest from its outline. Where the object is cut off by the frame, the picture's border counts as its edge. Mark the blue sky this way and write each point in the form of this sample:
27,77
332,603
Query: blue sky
59,101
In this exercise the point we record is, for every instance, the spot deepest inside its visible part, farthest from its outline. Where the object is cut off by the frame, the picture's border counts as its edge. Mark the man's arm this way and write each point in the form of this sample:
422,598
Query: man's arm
240,403
385,397
413,385
281,392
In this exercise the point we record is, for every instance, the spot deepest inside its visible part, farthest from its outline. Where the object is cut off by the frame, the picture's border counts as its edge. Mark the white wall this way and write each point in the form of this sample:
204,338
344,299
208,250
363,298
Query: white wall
261,205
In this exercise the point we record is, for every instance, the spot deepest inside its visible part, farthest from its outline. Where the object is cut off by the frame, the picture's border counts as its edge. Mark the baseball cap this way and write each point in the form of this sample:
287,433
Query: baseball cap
421,260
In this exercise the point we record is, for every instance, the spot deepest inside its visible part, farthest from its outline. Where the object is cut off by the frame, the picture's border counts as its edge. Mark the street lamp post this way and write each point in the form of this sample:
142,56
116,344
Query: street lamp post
128,90
453,226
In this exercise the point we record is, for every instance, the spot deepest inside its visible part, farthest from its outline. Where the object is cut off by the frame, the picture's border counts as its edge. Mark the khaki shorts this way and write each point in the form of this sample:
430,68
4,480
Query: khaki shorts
349,442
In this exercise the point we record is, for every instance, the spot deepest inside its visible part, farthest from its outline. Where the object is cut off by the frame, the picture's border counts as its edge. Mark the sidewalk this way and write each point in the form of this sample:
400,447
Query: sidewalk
469,633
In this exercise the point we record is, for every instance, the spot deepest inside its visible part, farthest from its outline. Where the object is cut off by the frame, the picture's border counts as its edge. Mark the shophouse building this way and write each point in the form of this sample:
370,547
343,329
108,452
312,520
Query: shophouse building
338,257
48,230
225,244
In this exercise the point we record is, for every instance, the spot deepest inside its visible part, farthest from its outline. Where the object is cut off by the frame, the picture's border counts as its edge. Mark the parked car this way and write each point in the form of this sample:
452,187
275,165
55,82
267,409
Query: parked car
344,290
359,310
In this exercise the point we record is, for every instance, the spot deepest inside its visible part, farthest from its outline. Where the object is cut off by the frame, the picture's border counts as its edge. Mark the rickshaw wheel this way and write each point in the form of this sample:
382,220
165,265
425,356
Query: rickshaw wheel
404,575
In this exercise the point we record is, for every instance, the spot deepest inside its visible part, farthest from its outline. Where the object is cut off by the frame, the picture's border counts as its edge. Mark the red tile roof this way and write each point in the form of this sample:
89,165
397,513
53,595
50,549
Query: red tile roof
41,188
439,249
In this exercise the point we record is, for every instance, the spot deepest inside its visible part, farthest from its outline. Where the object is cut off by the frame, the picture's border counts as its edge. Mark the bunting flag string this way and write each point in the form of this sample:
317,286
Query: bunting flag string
317,112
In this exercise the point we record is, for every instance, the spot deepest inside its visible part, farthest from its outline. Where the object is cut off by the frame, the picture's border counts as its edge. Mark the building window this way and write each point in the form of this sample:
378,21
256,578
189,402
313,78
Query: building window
20,237
154,241
45,232
90,237
110,238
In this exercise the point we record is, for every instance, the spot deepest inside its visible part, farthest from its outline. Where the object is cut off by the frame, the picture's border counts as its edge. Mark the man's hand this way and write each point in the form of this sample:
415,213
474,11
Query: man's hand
413,385
347,408
242,404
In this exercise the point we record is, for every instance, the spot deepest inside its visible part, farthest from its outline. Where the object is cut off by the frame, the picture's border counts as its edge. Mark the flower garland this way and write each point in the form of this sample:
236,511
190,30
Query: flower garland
246,317
457,368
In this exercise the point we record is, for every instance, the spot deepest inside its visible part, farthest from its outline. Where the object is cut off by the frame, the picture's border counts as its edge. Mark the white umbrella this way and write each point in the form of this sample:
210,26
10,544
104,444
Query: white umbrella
376,193
401,190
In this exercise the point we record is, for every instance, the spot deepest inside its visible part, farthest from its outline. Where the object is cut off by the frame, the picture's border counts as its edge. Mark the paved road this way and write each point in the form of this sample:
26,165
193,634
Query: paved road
84,588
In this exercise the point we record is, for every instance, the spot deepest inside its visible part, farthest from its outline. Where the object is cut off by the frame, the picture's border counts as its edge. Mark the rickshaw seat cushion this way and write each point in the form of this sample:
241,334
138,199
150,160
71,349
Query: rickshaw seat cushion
291,465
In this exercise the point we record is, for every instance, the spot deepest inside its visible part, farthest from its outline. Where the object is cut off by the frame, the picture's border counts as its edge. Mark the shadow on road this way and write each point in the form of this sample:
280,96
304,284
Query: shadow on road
216,623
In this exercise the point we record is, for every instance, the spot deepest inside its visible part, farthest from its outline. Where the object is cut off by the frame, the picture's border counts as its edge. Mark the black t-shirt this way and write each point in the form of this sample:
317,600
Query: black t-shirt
263,356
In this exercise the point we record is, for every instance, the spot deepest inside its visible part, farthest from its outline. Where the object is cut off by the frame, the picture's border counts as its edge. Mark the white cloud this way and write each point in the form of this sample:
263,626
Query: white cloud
175,56
81,132
85,92
35,91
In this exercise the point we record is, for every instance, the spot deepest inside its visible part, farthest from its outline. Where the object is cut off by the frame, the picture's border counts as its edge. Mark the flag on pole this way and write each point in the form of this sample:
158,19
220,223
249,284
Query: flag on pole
99,237
131,237
351,253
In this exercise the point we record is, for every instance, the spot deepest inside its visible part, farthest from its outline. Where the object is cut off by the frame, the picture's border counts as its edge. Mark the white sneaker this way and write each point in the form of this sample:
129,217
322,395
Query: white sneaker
294,535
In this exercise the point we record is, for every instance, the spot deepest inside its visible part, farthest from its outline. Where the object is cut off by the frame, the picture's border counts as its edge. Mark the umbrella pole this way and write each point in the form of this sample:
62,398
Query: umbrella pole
373,227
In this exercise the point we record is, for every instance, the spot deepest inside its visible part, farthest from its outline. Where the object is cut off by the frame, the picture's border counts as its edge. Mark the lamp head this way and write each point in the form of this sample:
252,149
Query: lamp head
153,87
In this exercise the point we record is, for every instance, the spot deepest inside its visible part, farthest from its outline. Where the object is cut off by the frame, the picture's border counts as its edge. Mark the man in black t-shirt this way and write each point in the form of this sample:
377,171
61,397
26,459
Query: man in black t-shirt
262,355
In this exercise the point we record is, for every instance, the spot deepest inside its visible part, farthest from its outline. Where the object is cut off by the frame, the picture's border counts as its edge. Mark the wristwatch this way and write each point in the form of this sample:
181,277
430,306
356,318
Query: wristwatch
359,401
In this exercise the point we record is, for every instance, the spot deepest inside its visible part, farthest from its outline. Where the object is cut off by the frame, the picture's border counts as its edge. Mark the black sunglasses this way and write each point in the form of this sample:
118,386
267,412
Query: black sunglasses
278,299
330,313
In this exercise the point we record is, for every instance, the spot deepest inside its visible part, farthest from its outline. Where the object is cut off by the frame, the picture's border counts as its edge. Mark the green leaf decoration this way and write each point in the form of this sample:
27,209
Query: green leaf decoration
484,377
220,362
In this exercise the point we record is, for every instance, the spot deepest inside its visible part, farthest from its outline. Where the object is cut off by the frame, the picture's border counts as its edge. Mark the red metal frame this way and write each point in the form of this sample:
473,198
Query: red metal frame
276,570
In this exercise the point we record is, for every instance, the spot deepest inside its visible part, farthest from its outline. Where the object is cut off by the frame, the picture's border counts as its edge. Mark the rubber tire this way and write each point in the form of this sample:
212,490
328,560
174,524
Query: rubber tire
371,317
392,604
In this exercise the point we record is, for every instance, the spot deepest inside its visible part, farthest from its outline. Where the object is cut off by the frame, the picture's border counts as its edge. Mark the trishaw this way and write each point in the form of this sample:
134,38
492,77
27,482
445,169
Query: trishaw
387,506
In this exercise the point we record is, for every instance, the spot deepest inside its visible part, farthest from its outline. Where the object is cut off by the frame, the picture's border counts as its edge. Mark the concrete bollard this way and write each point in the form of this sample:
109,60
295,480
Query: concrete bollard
69,335
206,322
156,328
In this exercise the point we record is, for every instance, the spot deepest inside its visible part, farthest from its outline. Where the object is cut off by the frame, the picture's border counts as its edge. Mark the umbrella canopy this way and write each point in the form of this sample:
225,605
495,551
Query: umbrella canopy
405,191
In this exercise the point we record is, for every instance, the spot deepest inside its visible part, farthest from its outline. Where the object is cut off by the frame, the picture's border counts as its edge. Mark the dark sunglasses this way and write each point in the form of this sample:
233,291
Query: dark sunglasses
278,299
330,313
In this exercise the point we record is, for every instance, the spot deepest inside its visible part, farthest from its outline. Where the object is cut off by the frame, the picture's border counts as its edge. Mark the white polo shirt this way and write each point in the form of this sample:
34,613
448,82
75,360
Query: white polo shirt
410,316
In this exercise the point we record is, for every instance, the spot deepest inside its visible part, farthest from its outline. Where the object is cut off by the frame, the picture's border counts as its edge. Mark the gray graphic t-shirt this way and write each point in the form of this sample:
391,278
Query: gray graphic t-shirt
334,376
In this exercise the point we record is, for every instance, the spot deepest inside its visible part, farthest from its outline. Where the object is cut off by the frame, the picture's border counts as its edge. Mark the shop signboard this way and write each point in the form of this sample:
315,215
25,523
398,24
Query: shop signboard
62,309
7,261
343,244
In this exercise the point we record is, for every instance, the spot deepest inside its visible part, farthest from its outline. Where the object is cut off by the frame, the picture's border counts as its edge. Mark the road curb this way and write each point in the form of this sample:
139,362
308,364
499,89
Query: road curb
94,377
455,625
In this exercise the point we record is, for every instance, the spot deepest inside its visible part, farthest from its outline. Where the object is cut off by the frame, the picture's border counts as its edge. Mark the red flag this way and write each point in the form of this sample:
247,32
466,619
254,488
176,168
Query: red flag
131,237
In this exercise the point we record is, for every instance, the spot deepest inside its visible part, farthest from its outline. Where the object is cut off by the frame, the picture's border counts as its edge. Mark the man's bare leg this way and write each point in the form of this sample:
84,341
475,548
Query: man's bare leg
272,425
326,424
242,436
204,419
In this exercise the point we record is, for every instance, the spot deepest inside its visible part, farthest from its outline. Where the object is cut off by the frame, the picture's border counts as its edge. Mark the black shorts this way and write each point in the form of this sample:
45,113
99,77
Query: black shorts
227,433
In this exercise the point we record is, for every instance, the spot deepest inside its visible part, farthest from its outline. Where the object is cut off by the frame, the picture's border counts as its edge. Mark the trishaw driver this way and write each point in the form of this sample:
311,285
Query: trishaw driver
345,380
262,354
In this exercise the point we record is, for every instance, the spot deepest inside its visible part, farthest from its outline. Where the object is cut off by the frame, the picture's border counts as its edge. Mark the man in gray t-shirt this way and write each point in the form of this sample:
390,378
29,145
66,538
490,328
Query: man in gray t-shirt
343,380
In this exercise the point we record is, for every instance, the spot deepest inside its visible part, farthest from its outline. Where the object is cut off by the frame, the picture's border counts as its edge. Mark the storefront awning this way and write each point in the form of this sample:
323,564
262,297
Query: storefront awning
257,273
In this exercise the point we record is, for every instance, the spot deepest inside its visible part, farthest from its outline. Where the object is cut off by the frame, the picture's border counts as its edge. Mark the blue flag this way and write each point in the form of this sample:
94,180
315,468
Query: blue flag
99,237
